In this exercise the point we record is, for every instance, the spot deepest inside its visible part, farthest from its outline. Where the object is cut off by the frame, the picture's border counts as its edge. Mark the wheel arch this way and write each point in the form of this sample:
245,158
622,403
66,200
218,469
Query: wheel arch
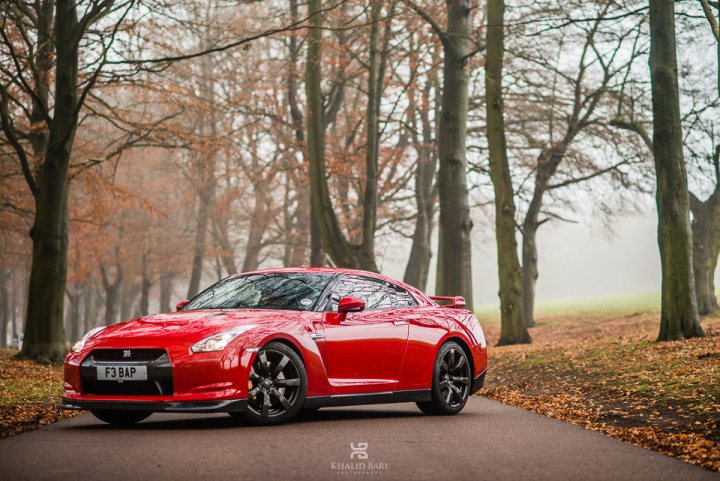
464,345
288,343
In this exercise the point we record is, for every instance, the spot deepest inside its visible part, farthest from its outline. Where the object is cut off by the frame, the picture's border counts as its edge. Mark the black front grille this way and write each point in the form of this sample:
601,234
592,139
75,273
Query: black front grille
159,372
127,355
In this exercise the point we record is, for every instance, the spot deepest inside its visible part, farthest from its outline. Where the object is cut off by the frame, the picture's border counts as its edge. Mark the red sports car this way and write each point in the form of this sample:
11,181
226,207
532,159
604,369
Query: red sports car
265,345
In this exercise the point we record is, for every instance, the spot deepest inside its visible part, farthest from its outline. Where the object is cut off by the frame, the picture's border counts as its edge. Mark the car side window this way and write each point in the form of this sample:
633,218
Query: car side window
377,294
403,298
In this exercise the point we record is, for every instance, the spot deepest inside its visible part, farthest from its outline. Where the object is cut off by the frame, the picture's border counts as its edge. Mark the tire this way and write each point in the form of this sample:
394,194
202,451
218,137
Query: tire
451,381
120,418
278,383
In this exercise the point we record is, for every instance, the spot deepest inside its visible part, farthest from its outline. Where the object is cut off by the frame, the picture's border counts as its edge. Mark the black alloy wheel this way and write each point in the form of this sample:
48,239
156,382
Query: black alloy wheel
451,381
277,386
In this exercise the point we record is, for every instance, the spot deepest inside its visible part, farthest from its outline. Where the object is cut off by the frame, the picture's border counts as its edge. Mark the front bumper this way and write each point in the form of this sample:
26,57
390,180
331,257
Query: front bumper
177,380
224,406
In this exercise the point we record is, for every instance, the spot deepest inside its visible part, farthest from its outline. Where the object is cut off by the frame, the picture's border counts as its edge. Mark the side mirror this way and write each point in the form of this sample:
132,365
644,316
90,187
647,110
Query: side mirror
182,304
351,304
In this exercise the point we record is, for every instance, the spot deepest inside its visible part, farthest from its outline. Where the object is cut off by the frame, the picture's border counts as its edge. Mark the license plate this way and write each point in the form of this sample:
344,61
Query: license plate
122,373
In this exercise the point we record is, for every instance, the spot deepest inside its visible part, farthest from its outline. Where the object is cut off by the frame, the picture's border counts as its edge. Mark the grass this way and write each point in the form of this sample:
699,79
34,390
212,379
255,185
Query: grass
595,363
593,307
29,394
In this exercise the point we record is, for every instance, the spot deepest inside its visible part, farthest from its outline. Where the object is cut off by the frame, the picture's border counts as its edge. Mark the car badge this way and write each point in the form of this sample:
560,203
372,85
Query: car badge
127,353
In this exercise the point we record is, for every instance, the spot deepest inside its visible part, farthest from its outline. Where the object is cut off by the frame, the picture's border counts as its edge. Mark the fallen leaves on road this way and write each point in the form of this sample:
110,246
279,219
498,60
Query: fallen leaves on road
606,375
29,395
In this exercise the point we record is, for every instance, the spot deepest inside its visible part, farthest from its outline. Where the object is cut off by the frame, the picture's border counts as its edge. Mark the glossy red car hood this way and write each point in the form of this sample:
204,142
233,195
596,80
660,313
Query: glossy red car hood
192,326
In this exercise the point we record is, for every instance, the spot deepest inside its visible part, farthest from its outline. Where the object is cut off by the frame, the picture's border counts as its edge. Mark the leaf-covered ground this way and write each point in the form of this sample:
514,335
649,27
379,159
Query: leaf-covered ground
29,395
601,369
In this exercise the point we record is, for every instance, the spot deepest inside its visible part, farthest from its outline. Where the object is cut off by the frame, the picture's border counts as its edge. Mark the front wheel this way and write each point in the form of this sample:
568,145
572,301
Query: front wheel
451,381
120,418
278,382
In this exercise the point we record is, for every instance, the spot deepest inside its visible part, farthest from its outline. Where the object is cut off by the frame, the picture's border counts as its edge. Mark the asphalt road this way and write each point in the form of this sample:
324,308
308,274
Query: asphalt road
487,441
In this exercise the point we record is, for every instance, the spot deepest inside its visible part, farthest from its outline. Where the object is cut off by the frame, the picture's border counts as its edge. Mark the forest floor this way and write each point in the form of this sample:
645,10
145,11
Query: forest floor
596,365
29,394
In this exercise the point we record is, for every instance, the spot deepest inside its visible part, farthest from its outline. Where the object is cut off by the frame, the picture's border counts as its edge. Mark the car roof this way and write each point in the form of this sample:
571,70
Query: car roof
419,295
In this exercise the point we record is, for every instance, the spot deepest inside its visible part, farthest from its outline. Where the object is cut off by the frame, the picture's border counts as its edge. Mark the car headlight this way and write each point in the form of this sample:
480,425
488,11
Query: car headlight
218,342
81,343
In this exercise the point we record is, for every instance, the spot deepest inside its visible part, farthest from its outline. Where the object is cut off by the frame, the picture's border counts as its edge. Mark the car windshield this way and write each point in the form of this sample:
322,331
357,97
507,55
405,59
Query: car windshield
293,291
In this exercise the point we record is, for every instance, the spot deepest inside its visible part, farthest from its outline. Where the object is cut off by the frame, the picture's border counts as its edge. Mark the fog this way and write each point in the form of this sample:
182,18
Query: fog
577,260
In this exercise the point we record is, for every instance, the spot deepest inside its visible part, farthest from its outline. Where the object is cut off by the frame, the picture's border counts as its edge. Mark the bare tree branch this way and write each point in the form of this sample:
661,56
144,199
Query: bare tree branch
711,19
426,16
12,139
598,173
633,126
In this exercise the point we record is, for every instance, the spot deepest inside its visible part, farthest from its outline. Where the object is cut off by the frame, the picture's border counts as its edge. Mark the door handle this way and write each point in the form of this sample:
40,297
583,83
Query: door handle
400,322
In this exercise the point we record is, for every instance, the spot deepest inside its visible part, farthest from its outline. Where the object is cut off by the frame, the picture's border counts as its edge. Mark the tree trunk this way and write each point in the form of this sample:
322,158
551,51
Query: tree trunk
206,170
513,328
166,282
454,272
258,225
706,244
112,291
89,308
4,308
291,221
306,223
73,320
706,233
128,294
325,219
342,252
13,306
220,233
679,317
301,240
317,251
376,75
203,210
418,267
704,265
529,270
44,330
547,164
144,307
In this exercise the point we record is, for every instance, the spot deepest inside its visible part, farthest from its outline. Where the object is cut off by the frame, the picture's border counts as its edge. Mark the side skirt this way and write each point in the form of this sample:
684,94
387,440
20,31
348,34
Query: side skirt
369,398
478,382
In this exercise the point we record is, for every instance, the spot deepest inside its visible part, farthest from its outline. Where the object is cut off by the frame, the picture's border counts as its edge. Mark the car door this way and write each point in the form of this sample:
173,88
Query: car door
365,349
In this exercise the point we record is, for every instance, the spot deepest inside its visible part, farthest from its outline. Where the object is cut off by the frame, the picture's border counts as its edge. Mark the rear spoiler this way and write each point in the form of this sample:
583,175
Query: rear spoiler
455,302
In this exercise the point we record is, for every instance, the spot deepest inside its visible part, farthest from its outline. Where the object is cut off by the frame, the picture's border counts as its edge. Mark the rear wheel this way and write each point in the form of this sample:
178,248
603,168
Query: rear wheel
278,382
451,381
120,418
